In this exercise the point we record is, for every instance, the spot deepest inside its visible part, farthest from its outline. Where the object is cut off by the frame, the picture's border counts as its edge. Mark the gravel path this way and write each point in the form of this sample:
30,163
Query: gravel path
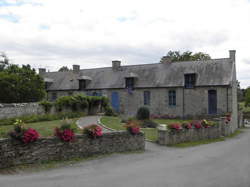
88,120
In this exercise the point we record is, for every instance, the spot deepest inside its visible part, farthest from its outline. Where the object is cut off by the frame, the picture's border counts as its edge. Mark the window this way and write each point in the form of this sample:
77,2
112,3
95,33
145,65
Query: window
54,96
82,84
70,93
146,97
190,80
130,83
172,98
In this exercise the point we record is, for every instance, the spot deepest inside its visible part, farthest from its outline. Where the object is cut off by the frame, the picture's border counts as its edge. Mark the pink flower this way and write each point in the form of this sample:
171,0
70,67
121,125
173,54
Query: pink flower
197,125
135,130
66,135
30,135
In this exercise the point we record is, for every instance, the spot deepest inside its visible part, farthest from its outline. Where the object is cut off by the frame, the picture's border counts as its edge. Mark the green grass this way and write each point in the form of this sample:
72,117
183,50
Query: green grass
115,123
202,142
112,122
45,129
150,133
169,121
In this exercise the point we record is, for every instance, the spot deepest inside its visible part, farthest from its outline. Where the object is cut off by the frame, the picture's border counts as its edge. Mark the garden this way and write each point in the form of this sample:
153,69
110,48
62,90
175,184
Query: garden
150,125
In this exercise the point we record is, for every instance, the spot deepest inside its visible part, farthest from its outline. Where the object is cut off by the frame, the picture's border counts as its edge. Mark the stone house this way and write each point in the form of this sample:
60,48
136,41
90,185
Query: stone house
183,89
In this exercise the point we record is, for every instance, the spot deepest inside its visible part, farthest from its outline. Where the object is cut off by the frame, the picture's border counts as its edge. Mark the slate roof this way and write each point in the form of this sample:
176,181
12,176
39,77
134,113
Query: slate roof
209,73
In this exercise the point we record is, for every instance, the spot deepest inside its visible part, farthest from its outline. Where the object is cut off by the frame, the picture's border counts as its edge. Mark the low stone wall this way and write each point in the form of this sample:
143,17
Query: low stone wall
19,109
166,137
47,149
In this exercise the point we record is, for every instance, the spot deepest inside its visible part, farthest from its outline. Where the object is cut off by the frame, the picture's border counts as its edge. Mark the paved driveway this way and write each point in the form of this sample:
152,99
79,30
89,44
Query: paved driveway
221,164
88,120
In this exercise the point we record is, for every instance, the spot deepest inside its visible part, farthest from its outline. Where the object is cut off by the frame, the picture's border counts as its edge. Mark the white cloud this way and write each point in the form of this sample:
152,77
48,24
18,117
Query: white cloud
53,33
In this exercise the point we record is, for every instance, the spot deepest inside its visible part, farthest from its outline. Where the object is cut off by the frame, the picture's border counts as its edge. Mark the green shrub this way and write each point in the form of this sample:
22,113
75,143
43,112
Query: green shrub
149,124
81,100
143,113
46,105
109,111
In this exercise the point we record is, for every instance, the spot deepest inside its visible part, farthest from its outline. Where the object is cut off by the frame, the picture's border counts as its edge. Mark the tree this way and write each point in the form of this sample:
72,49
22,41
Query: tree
64,68
176,56
247,97
20,84
4,61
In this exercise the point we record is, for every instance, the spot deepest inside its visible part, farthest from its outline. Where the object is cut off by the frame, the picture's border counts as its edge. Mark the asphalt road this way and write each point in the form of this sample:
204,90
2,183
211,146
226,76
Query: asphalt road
221,164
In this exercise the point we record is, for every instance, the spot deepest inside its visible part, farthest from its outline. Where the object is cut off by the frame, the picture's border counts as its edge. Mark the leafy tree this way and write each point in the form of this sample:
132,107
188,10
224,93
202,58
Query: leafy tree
177,56
4,61
247,97
64,68
20,84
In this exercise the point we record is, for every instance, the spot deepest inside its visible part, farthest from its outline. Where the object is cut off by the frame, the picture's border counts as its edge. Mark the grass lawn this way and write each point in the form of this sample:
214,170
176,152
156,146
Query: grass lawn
150,133
45,129
169,121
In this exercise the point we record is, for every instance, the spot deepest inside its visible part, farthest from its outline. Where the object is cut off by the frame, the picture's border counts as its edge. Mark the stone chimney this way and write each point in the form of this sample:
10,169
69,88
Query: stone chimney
232,55
41,70
116,65
76,68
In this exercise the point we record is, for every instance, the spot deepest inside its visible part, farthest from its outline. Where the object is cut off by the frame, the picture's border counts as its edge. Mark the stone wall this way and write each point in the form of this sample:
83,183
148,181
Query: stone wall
47,149
166,137
19,109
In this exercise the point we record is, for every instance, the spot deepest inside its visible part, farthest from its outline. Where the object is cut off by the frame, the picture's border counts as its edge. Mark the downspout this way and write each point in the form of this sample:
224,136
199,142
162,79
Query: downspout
183,101
227,100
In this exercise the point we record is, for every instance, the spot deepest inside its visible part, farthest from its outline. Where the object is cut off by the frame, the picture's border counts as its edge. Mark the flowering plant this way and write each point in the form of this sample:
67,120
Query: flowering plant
205,123
197,124
93,131
66,131
162,116
23,134
186,125
175,127
228,118
133,127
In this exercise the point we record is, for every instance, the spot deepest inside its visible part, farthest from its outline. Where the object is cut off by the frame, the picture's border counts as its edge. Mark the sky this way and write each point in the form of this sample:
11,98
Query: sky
91,33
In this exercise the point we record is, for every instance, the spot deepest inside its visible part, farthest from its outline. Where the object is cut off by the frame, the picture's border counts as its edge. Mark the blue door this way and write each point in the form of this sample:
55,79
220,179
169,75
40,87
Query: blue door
115,101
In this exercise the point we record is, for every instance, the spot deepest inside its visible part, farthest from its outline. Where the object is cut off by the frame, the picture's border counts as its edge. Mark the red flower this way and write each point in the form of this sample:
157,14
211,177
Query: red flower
30,135
93,131
135,130
197,125
175,126
66,135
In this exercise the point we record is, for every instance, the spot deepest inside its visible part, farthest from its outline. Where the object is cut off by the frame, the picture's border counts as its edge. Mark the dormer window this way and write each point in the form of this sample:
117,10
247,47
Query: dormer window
82,84
48,82
130,83
190,80
83,81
